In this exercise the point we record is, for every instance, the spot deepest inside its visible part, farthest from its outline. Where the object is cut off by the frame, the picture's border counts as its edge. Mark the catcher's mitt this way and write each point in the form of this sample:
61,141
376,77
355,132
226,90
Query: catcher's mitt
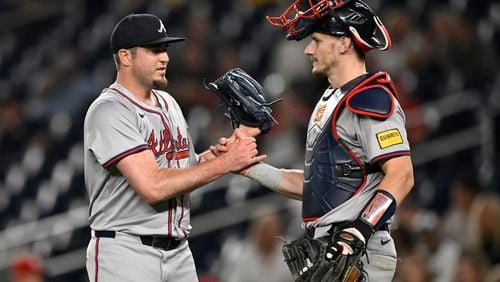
245,100
322,260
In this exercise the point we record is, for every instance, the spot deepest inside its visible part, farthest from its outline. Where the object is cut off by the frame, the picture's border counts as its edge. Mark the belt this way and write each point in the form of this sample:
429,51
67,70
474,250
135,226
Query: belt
160,242
354,171
337,226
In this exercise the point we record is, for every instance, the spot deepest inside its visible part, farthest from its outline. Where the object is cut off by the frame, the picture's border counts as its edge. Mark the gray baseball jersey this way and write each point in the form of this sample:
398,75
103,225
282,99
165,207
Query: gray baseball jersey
118,124
370,139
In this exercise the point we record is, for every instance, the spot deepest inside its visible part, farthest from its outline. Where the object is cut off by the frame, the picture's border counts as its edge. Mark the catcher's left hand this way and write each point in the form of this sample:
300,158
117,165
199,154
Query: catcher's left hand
245,100
326,259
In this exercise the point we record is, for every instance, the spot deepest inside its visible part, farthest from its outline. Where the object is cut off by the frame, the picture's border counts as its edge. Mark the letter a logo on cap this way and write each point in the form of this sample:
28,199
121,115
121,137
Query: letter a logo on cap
162,27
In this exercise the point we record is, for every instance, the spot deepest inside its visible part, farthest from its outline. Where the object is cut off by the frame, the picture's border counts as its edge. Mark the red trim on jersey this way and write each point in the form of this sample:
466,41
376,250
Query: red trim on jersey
142,107
164,101
96,260
389,156
178,155
162,117
182,216
117,158
169,216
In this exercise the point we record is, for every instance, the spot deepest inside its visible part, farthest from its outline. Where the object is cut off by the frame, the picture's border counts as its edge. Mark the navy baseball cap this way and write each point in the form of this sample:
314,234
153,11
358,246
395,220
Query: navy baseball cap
139,30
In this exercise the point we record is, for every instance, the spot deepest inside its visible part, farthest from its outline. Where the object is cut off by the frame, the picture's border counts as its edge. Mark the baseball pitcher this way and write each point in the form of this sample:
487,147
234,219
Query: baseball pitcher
140,164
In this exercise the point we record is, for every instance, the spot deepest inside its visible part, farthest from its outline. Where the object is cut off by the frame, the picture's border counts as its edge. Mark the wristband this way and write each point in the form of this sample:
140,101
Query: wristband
265,174
379,209
375,214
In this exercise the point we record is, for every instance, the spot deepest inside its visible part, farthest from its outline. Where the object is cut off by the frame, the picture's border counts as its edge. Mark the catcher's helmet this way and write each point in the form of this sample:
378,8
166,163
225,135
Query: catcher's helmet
353,18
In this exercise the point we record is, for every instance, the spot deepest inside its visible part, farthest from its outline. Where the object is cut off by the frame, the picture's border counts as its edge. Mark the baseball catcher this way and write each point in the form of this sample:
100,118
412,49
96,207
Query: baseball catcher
244,100
357,165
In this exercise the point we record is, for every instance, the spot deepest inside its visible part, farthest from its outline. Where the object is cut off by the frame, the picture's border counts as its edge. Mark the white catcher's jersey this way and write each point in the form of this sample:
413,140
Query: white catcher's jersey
117,125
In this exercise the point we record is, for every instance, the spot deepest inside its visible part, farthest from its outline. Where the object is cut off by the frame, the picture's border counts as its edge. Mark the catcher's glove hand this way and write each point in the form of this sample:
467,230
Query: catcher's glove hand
325,260
245,100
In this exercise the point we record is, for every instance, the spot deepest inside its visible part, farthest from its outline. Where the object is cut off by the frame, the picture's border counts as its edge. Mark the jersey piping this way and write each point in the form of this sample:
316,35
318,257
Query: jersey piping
164,122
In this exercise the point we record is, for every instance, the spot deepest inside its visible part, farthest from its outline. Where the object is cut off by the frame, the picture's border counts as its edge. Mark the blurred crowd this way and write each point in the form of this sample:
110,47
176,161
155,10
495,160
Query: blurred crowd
57,60
461,244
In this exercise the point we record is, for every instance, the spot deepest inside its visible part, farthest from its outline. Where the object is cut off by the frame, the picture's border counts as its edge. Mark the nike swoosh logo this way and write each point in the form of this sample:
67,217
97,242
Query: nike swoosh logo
141,115
383,242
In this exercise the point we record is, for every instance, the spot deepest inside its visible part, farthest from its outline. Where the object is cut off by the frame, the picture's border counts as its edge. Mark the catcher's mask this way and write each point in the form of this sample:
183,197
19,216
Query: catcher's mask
352,18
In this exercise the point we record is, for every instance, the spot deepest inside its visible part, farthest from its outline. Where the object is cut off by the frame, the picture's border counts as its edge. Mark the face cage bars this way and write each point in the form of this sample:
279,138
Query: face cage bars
292,15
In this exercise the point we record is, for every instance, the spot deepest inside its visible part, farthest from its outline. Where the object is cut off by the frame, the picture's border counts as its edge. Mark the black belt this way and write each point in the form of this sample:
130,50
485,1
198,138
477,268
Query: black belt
347,170
339,226
160,242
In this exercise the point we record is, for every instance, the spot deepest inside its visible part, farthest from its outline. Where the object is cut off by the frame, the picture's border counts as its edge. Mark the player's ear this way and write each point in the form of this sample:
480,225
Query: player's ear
125,57
345,43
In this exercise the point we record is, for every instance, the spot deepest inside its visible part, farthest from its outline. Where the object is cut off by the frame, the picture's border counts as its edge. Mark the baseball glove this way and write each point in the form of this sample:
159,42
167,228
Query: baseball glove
244,100
322,260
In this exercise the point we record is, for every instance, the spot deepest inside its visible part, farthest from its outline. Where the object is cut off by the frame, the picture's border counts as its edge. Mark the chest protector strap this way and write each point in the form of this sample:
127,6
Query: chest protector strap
333,173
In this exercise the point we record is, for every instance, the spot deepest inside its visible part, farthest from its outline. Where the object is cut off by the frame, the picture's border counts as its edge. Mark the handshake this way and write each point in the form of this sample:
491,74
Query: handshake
238,152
